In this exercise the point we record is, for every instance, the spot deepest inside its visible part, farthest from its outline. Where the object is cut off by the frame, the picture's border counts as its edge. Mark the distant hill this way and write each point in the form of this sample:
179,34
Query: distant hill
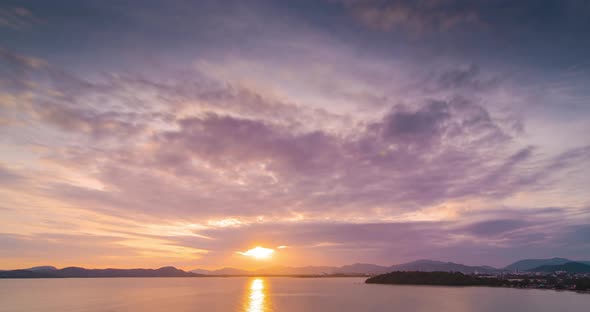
362,268
570,267
48,272
306,270
46,268
224,271
439,266
356,269
24,274
527,264
275,270
201,271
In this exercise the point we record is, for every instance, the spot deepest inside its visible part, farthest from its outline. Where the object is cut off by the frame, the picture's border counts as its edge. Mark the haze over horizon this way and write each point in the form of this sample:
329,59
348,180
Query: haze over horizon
188,133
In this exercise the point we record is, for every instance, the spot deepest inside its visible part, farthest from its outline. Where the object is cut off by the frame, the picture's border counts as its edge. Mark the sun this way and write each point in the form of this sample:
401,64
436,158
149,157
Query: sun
258,253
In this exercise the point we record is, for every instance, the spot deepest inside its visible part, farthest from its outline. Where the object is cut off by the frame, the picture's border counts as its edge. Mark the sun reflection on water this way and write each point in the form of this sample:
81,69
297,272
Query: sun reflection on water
256,296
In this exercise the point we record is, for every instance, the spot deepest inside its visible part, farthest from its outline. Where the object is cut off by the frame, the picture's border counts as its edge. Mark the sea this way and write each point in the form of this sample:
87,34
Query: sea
256,294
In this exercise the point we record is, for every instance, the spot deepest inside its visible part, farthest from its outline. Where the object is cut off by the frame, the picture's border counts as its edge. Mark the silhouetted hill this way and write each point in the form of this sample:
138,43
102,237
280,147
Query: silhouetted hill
275,270
570,267
543,265
82,272
229,271
527,264
24,274
161,272
439,266
47,268
362,268
355,269
201,271
306,270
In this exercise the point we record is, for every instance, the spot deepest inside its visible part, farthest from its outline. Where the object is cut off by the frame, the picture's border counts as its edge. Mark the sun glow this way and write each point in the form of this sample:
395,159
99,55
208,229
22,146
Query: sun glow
258,252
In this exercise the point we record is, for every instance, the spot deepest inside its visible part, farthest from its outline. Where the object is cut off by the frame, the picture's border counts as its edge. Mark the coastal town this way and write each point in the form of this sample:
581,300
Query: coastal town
558,280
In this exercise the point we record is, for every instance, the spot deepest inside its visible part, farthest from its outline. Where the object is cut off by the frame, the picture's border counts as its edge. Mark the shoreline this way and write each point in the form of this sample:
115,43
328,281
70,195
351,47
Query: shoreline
487,286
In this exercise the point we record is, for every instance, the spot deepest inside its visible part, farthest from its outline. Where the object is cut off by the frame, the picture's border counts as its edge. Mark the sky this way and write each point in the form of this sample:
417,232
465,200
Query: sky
185,133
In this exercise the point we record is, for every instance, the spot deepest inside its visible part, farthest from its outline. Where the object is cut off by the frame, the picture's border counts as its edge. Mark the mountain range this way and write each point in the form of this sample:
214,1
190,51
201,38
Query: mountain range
529,264
52,272
373,269
355,269
526,265
364,269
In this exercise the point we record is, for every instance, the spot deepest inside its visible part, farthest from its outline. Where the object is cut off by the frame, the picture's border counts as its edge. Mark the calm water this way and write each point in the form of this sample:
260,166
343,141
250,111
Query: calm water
269,294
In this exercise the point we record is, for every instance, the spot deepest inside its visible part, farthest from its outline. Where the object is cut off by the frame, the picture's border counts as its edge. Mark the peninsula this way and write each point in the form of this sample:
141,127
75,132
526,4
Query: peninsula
562,281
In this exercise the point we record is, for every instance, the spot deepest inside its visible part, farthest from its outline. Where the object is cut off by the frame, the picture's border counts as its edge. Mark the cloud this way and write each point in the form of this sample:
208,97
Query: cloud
248,154
495,227
501,238
442,151
459,16
63,250
419,127
465,77
8,176
578,234
415,16
17,18
18,60
156,141
97,125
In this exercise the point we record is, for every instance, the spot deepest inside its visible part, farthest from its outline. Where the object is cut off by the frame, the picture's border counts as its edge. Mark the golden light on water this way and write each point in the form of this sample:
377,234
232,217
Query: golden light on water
256,296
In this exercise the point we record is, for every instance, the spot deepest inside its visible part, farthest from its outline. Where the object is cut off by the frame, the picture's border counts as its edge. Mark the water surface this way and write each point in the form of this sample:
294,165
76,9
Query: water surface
269,294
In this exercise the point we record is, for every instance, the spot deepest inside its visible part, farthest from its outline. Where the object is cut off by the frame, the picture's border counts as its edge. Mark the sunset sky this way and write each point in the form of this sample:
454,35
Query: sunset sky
153,133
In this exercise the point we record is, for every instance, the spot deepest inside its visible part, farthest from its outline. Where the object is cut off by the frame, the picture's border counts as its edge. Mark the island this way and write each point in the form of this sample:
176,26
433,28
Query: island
549,281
